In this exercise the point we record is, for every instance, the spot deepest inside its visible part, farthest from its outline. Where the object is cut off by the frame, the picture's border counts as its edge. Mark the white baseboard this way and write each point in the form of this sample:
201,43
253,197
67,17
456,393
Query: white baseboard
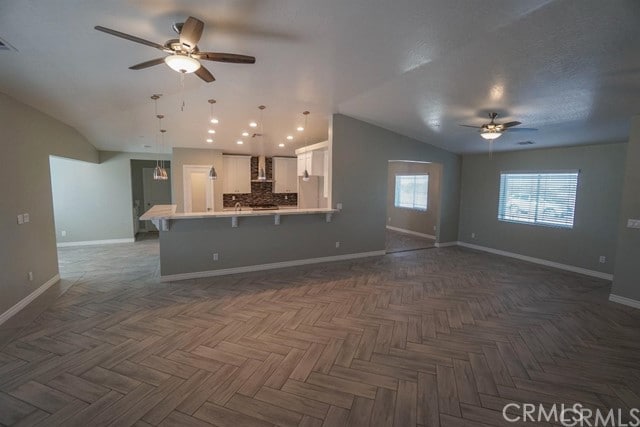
413,233
271,266
96,242
540,261
624,300
446,244
26,300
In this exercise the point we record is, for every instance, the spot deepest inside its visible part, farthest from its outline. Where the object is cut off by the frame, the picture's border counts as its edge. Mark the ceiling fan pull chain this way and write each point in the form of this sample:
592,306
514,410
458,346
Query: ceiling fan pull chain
182,91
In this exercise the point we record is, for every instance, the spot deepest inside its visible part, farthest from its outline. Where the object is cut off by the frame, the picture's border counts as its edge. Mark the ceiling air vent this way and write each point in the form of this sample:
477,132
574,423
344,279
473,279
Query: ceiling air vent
4,46
526,143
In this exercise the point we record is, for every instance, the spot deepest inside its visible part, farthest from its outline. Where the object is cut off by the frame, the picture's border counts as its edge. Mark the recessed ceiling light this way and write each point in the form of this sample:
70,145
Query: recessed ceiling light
239,142
280,145
289,137
245,133
209,140
214,121
300,129
211,131
253,124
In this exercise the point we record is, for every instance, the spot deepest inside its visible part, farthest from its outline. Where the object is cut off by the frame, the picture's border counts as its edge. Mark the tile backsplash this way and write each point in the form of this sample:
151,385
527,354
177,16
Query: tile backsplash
261,192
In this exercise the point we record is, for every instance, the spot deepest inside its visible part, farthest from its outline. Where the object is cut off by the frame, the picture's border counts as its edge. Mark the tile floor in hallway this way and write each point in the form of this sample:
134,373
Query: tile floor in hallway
437,337
399,242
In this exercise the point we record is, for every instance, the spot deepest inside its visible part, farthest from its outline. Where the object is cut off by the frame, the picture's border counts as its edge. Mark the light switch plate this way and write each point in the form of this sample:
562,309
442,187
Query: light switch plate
20,219
633,223
25,217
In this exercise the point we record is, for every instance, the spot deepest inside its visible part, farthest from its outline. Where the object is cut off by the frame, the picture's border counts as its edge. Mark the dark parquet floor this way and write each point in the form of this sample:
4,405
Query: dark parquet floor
442,337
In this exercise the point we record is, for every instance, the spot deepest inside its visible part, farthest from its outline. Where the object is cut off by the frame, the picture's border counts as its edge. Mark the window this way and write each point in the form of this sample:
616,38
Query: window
411,191
538,198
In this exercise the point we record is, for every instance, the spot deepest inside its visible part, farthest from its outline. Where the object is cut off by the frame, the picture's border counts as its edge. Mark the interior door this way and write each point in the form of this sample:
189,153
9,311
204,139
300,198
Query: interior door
154,193
198,189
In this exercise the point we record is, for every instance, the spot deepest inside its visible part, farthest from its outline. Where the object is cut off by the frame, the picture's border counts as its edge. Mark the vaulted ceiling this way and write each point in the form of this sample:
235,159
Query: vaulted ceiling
569,68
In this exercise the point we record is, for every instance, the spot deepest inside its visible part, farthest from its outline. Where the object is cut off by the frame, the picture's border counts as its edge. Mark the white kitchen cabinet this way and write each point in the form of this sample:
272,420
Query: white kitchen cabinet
236,177
284,175
312,161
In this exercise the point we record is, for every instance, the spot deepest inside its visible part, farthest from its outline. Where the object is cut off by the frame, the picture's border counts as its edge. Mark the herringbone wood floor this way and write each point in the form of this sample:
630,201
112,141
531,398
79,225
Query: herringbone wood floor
434,337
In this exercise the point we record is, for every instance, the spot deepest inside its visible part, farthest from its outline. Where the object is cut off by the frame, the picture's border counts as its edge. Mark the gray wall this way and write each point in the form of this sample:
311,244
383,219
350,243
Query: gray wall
626,279
29,137
99,206
194,156
596,214
424,222
360,155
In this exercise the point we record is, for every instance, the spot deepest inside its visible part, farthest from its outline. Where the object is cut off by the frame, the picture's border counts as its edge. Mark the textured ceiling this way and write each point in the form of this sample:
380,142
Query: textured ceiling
421,68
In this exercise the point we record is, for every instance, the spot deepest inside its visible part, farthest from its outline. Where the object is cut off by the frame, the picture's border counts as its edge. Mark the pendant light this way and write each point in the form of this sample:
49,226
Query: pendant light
213,175
305,175
159,174
163,171
262,176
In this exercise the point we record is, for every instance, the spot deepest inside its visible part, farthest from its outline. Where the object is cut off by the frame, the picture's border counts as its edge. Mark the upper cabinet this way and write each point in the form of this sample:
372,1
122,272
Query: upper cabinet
236,174
284,175
312,161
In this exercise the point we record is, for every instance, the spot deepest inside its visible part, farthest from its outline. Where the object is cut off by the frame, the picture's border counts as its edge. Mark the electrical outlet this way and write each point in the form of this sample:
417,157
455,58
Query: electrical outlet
286,197
337,244
602,259
30,276
63,233
25,217
215,256
233,197
473,235
20,219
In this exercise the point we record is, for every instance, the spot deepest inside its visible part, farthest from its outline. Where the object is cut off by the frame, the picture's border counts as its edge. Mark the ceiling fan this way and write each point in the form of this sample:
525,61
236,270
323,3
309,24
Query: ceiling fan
493,130
184,55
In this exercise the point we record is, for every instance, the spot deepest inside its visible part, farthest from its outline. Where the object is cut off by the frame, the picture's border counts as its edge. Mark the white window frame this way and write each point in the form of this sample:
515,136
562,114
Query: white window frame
536,218
413,205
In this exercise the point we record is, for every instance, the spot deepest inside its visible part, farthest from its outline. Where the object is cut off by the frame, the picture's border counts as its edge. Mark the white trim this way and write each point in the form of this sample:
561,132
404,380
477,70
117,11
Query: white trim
574,269
96,242
624,300
28,299
270,266
414,233
446,244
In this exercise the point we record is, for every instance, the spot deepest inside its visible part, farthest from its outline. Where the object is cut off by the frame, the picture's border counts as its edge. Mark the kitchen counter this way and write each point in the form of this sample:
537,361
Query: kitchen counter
162,215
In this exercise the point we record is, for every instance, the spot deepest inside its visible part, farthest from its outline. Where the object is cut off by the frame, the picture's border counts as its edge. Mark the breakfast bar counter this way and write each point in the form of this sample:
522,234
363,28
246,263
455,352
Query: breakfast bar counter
162,215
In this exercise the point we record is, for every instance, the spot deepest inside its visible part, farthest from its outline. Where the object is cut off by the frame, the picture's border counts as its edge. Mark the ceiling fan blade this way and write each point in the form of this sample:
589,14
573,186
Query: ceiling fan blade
190,33
510,124
521,129
226,57
204,74
129,37
469,126
147,64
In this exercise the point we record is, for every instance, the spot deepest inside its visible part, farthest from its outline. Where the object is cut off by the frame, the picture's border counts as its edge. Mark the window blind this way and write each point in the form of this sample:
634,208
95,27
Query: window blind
412,191
538,198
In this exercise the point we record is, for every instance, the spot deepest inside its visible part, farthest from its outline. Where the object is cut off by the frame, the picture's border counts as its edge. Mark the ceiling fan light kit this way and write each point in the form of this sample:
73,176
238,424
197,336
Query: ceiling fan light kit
182,63
491,135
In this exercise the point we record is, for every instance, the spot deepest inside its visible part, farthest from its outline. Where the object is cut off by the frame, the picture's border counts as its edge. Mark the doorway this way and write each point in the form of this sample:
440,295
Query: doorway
413,205
198,189
147,192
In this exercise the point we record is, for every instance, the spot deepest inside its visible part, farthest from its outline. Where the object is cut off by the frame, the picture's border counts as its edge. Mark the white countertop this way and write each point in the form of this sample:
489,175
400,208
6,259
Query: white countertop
159,212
